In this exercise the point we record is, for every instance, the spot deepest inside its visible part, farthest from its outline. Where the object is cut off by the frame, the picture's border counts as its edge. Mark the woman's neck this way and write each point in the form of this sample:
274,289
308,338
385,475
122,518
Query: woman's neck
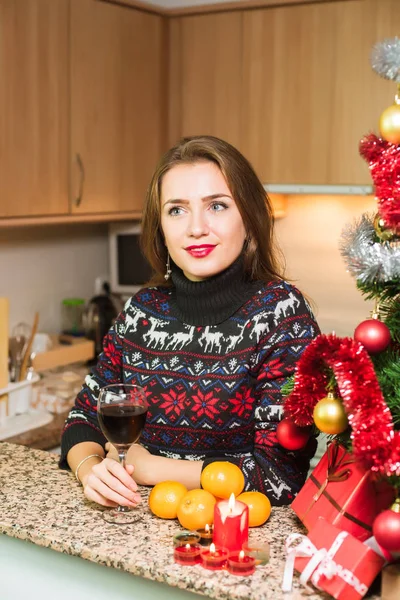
212,300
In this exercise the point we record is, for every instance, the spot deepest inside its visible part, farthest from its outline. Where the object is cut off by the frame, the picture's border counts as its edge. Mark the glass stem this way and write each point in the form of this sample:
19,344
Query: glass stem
122,456
122,460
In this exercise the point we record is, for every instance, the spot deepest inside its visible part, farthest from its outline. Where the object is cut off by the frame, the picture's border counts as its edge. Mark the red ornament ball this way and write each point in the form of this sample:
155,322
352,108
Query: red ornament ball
386,529
291,436
373,335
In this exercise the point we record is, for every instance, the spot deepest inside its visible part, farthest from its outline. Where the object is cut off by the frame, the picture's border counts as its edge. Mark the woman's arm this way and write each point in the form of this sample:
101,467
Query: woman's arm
270,468
82,445
150,469
82,423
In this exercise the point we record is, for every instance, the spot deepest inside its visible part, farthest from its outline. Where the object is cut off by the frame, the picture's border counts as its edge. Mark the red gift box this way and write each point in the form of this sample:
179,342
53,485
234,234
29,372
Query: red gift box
344,493
334,561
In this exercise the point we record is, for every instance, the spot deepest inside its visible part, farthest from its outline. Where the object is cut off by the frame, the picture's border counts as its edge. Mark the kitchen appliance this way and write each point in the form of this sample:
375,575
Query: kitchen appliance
129,270
98,316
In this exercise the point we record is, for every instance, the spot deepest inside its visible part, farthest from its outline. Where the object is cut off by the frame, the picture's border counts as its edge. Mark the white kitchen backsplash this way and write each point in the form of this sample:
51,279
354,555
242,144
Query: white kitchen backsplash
39,266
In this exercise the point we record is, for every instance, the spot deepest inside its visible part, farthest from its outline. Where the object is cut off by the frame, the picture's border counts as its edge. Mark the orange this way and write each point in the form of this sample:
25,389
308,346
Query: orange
222,479
259,507
196,509
165,498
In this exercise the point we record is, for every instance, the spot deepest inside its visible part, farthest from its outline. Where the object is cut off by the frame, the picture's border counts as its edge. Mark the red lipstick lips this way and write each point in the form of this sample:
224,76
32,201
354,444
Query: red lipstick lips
200,251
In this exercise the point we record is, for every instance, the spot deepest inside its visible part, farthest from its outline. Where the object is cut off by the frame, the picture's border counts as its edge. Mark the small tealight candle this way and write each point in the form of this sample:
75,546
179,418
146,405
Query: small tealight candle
260,552
186,537
187,554
206,535
240,563
214,558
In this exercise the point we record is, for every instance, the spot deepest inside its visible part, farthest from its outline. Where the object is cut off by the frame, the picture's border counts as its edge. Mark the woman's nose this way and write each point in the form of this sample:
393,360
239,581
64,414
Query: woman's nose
198,224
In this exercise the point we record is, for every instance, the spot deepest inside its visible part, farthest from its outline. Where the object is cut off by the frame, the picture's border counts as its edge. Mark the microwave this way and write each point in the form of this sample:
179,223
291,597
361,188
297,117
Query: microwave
129,270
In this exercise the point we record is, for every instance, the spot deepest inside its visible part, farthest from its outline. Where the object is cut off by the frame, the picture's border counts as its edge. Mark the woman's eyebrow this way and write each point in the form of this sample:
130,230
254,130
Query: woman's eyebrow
205,199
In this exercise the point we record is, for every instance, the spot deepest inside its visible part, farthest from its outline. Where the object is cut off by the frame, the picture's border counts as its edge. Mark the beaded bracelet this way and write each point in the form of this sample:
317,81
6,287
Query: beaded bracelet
81,463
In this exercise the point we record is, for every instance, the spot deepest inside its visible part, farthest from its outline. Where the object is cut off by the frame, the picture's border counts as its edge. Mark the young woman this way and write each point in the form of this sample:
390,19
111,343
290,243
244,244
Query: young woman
212,340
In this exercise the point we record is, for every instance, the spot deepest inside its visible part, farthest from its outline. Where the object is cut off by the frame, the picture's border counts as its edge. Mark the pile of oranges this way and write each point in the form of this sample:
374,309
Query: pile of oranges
195,508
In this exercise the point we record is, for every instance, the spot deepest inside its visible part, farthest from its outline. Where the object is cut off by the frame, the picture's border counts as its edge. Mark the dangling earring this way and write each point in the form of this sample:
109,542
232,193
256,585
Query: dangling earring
168,265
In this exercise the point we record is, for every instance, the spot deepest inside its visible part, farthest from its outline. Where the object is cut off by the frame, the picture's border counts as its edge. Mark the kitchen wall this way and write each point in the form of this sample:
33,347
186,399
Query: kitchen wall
39,266
309,236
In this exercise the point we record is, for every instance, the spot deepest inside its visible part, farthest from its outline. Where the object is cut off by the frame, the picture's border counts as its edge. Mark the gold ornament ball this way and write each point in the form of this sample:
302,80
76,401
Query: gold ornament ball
383,233
389,124
329,415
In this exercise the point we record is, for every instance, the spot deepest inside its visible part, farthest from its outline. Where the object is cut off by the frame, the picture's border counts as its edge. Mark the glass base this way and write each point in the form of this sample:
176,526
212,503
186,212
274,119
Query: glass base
122,515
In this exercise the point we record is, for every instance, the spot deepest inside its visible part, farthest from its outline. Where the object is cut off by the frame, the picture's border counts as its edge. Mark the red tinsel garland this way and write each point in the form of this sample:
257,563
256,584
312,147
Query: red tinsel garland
384,163
375,442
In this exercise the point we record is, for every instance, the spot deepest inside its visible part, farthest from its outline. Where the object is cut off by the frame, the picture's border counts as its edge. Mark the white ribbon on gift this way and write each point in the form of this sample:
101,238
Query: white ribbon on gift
321,563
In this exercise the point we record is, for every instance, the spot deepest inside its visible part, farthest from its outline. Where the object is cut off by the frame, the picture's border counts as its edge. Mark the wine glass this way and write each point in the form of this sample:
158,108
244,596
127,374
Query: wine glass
121,410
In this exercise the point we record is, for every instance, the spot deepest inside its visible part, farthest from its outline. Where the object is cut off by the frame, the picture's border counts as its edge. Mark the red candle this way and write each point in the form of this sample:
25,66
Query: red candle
241,564
231,524
187,554
214,558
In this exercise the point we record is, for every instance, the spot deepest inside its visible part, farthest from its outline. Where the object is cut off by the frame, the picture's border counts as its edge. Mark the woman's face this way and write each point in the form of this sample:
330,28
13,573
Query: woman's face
202,226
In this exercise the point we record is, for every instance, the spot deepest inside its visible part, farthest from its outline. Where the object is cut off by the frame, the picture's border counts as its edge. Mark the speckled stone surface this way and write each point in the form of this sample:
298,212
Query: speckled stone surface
46,506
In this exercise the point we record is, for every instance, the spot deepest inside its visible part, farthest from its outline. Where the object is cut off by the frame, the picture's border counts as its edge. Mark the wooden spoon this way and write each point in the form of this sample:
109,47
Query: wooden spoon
27,353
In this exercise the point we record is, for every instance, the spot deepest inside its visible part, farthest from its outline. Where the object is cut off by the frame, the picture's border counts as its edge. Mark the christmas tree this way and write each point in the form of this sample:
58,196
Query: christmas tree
348,387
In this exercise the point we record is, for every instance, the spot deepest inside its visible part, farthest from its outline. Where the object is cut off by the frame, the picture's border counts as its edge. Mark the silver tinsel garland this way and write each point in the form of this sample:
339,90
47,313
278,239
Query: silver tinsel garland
385,59
368,261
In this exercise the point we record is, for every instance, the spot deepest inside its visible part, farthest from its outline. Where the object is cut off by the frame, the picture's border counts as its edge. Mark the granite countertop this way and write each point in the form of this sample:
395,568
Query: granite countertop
46,437
46,506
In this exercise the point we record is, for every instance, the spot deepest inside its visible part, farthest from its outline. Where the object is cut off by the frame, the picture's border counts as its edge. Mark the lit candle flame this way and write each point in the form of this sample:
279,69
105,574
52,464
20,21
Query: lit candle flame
187,546
212,549
231,503
207,528
241,555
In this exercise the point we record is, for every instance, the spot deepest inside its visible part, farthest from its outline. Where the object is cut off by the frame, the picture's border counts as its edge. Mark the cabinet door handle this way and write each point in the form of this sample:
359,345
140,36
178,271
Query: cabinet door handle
81,167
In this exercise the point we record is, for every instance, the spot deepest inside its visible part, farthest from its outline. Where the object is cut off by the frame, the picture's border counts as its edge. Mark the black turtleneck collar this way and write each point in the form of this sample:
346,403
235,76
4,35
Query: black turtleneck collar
213,300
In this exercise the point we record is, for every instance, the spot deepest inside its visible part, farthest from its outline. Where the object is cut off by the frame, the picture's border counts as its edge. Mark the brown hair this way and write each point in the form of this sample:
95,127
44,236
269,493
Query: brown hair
260,252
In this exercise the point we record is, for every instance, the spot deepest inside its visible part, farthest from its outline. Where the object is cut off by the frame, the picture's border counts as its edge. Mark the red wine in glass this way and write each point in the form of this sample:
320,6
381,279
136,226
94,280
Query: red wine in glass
122,424
121,411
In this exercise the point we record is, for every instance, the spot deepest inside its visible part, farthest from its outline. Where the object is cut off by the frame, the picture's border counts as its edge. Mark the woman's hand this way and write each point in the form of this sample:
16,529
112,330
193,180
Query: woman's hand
109,484
137,456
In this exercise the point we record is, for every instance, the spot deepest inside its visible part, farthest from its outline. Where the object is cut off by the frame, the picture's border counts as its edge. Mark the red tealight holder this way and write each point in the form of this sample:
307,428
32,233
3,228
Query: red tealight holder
187,555
240,563
206,535
214,557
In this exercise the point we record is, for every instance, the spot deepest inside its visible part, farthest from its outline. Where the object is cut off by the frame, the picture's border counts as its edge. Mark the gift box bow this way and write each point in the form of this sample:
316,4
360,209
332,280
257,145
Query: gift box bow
337,470
321,563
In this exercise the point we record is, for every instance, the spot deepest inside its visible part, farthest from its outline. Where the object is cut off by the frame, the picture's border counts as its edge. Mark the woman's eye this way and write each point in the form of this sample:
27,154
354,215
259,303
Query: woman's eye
218,206
175,210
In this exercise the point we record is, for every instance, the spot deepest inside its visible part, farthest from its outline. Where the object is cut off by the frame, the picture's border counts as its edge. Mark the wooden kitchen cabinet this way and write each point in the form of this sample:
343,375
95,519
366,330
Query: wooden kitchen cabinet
359,94
290,86
288,61
206,76
310,91
34,125
117,118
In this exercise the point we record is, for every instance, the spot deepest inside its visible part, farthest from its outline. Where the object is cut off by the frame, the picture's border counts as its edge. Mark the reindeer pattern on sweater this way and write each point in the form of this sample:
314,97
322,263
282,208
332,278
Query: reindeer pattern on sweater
213,390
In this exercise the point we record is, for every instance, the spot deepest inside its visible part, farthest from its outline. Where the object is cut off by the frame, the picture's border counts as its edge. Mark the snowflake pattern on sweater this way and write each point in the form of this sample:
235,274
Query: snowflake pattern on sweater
213,391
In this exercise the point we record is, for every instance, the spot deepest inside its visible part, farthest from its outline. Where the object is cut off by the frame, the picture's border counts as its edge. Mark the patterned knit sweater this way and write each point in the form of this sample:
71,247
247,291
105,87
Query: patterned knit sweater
212,357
